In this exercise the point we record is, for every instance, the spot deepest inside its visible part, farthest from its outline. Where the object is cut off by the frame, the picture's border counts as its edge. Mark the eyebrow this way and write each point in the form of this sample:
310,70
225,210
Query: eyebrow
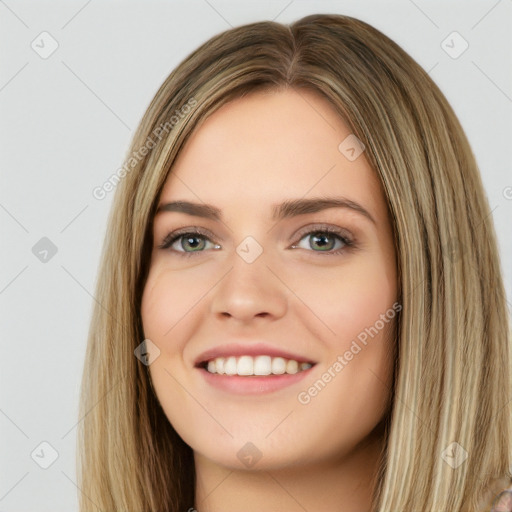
287,209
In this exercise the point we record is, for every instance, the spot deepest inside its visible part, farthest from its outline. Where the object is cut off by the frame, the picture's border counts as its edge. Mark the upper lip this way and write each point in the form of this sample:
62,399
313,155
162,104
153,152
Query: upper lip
248,349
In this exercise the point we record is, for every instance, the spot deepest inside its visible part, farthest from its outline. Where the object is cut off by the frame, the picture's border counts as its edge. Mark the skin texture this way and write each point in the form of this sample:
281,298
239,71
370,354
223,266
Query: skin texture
249,155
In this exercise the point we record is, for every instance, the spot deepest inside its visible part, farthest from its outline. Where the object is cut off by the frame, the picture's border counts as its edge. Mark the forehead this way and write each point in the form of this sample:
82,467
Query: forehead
268,146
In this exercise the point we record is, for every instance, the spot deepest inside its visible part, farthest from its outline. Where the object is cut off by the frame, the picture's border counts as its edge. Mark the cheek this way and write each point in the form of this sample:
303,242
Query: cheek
354,314
354,390
347,300
158,310
169,312
170,298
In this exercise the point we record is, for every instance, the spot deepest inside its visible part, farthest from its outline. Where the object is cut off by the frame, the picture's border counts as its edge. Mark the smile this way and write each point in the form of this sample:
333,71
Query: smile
261,365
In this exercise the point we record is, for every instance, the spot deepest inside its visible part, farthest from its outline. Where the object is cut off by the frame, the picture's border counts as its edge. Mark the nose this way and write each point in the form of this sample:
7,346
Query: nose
249,291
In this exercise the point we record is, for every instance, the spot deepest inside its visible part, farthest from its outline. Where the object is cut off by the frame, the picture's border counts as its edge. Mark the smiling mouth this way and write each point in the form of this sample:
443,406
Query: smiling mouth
249,366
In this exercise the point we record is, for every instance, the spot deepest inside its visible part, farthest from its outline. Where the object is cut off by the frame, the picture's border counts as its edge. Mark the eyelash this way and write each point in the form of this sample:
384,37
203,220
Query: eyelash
348,243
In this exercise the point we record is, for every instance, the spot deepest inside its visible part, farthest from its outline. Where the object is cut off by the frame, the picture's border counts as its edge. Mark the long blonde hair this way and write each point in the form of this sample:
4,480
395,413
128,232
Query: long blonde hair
453,367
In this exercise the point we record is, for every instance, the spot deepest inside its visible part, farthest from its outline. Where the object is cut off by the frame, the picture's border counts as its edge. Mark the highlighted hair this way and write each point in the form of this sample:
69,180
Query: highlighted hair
453,366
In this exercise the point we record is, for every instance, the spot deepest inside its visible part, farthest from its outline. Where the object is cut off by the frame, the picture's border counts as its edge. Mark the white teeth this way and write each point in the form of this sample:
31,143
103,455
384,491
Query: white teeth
244,365
230,366
292,366
259,365
278,365
262,365
219,365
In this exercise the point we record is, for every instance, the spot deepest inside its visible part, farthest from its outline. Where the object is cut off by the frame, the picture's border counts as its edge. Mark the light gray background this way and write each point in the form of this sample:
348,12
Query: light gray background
66,122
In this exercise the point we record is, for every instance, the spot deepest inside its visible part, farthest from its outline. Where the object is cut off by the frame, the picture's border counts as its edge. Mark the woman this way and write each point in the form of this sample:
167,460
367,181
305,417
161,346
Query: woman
300,257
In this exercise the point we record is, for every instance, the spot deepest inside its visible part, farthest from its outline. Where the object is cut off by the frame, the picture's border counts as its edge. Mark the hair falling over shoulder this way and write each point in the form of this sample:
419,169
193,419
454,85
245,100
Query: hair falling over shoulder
453,366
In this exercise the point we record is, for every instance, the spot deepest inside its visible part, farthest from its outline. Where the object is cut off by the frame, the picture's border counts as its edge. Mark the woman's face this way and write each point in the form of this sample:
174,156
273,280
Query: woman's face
293,262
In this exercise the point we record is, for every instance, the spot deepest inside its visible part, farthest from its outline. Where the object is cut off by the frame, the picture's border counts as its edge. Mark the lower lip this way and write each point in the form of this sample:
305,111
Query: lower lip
253,384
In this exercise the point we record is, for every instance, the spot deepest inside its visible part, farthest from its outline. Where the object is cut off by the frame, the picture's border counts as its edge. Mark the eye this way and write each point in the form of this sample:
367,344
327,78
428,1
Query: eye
326,240
323,239
188,242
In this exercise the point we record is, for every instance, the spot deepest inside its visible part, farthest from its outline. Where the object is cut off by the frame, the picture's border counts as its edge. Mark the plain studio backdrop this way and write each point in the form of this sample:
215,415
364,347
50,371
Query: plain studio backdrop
75,80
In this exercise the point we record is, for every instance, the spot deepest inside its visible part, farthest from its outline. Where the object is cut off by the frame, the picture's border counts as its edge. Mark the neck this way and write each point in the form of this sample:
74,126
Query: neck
341,485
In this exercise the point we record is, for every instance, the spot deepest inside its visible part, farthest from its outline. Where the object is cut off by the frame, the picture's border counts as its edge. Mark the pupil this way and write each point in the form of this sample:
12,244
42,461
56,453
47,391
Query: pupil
193,241
322,241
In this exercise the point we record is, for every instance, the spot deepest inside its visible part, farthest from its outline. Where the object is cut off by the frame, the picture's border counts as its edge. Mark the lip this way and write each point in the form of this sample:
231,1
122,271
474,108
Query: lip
252,385
248,349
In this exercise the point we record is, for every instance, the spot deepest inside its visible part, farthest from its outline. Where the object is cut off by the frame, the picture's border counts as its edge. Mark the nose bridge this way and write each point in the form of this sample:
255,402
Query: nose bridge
249,289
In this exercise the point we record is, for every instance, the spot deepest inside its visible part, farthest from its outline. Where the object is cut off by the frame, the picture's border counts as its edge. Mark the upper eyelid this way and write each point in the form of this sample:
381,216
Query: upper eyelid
196,230
174,235
327,228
